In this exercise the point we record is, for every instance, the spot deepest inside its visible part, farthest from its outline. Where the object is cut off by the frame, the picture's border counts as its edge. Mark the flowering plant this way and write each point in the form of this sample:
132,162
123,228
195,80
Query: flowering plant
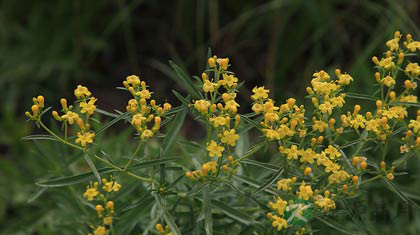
325,153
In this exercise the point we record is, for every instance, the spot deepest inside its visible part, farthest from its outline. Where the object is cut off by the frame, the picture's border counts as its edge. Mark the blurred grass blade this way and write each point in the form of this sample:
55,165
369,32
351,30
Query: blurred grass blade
35,195
106,113
92,167
338,227
75,179
391,186
110,123
173,130
181,98
208,218
152,163
252,150
185,81
39,137
167,216
233,213
269,182
260,164
360,96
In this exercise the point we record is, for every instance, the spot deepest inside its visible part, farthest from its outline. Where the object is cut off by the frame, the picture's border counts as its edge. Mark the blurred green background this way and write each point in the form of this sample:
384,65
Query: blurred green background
48,47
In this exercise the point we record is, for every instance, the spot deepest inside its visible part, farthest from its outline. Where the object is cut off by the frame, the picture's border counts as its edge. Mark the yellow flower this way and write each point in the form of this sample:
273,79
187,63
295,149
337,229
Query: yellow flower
283,184
108,220
293,152
305,191
146,134
133,80
393,44
81,92
202,106
138,120
409,98
319,125
110,186
214,149
223,62
219,121
257,108
271,134
100,230
325,203
212,166
229,80
88,107
338,101
279,205
85,138
91,191
333,152
208,86
279,223
373,125
331,166
404,149
388,81
229,137
412,69
144,94
259,93
344,79
387,63
326,107
70,117
413,46
232,106
307,156
358,121
415,125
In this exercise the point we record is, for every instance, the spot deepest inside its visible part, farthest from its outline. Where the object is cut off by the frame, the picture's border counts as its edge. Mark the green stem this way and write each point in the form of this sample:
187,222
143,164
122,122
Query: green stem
98,158
371,179
133,156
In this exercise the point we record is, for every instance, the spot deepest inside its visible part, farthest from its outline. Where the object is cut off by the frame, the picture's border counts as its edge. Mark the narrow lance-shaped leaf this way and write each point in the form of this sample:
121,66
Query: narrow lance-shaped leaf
75,179
391,186
269,182
167,216
92,167
185,80
208,217
173,130
233,213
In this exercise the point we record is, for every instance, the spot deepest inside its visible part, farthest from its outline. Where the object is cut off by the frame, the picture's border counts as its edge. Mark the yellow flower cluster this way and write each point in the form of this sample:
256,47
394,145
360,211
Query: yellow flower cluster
219,110
105,208
162,231
36,108
146,114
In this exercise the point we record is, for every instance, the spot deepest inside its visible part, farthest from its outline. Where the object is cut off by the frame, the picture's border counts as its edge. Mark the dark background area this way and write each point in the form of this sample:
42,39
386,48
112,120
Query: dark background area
49,47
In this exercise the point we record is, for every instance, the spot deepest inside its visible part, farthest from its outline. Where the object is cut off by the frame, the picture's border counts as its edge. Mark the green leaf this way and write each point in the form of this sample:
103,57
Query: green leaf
75,179
37,194
181,98
173,130
269,182
92,167
261,164
185,81
360,96
252,150
253,183
391,186
167,216
152,163
106,113
250,121
338,227
39,137
405,103
233,213
110,123
208,218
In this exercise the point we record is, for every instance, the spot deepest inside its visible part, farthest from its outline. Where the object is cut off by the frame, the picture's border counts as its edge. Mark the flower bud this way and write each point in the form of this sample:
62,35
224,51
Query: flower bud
35,110
307,171
40,100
